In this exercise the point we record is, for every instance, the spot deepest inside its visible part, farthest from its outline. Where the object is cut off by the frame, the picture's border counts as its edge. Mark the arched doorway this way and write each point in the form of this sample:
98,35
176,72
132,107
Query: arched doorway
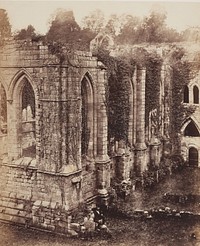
193,156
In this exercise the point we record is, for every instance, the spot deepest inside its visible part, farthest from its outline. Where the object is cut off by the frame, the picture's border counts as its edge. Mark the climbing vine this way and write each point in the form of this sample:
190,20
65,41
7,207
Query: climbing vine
152,88
120,71
181,74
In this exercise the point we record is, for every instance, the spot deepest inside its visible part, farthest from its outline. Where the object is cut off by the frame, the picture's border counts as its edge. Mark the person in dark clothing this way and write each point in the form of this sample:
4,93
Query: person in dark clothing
99,217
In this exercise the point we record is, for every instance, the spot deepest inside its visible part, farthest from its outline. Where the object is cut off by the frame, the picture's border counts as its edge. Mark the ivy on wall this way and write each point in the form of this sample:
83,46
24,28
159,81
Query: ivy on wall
152,86
120,71
181,75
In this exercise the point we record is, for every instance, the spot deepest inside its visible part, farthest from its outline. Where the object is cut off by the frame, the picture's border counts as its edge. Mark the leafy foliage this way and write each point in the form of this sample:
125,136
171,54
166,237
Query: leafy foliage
95,21
152,29
28,33
5,27
153,73
120,71
191,34
64,30
129,32
179,112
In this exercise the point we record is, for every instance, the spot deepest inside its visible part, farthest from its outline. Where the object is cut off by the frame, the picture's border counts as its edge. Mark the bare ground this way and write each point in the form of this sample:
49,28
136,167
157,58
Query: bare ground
160,232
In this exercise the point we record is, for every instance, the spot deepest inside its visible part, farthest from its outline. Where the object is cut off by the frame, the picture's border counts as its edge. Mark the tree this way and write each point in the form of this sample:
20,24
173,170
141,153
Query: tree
86,35
153,27
5,27
172,35
129,30
191,34
113,25
64,29
28,33
95,21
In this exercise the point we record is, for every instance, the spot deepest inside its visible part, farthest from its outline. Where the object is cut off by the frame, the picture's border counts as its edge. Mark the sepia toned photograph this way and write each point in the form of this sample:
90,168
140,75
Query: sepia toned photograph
99,123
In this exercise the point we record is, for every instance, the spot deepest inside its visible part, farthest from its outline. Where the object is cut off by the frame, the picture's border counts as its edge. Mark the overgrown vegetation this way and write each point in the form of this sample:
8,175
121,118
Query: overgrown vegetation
181,72
120,72
124,29
153,79
5,27
120,75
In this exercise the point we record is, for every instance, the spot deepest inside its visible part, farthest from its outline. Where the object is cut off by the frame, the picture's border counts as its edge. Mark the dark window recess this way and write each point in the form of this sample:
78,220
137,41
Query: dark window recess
196,94
193,157
186,95
191,130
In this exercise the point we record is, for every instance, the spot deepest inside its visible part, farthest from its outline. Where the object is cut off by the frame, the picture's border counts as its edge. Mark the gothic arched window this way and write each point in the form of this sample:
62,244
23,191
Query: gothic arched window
191,130
195,94
28,141
87,117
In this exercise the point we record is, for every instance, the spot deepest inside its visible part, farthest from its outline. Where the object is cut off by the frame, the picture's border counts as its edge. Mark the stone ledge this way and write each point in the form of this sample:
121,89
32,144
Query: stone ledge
31,167
60,174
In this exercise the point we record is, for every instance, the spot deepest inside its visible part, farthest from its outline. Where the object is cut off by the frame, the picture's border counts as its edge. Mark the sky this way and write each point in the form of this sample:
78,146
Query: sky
180,14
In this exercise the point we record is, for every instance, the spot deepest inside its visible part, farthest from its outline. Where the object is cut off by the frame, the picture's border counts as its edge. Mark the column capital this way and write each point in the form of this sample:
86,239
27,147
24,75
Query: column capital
140,146
102,159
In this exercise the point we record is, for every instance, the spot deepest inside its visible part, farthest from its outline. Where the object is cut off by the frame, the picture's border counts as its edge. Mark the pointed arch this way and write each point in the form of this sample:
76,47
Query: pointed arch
22,94
87,99
190,128
195,95
17,78
88,76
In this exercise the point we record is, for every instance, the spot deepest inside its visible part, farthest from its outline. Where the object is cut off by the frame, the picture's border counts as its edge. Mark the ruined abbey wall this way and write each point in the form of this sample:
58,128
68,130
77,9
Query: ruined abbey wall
54,133
50,172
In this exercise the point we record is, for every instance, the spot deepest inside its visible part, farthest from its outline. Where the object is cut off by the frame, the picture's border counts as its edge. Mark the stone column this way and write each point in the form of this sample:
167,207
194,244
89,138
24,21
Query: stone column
167,96
132,100
102,159
162,95
140,145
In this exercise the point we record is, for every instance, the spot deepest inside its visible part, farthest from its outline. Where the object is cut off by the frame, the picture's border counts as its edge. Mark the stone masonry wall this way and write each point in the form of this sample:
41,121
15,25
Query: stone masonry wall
37,190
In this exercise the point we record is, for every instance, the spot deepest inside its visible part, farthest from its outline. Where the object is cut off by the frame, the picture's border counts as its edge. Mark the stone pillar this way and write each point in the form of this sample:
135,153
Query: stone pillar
70,120
37,128
161,98
102,160
166,123
51,105
140,146
132,100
